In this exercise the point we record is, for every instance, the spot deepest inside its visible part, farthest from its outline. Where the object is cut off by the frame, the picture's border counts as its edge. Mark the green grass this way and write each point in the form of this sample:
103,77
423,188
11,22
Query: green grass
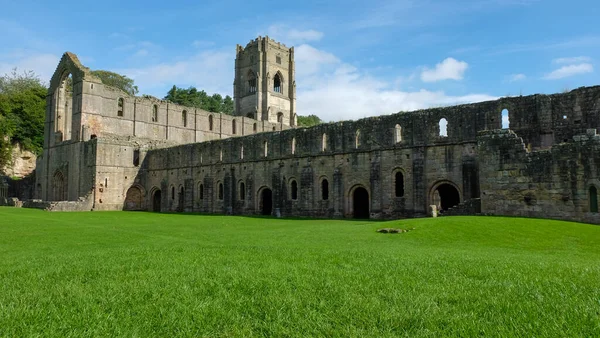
143,274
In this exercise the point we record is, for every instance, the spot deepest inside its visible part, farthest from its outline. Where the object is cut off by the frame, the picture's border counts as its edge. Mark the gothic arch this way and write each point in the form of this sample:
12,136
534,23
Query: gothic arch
445,194
59,187
134,198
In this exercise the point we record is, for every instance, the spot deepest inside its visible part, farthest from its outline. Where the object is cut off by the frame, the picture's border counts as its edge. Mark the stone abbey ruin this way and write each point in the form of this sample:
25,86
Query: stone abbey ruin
107,150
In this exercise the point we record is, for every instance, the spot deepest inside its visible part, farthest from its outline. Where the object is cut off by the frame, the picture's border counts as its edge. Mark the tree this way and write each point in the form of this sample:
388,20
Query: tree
116,80
22,112
309,121
191,97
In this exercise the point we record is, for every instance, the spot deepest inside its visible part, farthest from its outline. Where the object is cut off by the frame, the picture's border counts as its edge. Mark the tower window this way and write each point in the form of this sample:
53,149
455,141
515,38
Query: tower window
251,82
279,117
278,59
120,104
154,113
277,83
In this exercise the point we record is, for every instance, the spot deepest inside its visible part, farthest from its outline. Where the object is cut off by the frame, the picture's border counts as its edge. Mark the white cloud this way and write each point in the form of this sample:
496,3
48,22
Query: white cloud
339,91
570,70
449,69
572,60
210,70
42,65
292,36
517,77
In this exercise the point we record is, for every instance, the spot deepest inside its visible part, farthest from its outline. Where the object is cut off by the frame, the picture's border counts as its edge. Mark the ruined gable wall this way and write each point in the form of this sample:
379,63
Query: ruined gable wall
551,183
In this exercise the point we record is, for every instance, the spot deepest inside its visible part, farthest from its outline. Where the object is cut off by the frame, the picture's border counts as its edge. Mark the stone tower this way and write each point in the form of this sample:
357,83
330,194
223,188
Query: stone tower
265,86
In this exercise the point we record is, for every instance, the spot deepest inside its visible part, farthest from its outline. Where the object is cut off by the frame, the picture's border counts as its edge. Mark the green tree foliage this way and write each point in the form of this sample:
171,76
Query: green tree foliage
191,97
116,80
22,110
309,121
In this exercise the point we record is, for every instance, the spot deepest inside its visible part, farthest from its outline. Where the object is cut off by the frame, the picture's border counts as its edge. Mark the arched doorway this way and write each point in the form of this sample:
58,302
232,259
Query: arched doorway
134,199
446,196
266,201
156,199
59,187
360,203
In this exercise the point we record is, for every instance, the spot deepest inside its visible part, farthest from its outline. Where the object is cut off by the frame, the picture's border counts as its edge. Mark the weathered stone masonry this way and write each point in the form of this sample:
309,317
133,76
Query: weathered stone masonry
122,152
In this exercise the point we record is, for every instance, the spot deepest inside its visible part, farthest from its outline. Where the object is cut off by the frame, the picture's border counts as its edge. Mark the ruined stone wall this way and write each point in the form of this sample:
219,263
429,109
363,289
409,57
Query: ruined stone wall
551,183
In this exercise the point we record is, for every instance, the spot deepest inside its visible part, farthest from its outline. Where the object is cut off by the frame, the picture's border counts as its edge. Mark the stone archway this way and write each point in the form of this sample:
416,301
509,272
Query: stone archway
134,199
445,195
59,187
265,201
360,203
156,200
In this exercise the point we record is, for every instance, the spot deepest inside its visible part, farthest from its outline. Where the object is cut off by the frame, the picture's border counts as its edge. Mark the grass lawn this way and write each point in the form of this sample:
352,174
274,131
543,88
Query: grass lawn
144,274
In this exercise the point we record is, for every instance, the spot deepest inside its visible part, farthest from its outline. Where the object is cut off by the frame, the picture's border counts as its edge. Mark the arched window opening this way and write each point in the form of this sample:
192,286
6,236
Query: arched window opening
251,82
324,142
294,190
64,106
593,199
172,193
220,191
398,133
154,113
399,184
221,155
274,128
184,118
210,122
242,152
254,127
120,105
279,117
293,145
443,125
201,192
325,190
505,119
277,83
233,127
266,146
136,157
357,139
242,191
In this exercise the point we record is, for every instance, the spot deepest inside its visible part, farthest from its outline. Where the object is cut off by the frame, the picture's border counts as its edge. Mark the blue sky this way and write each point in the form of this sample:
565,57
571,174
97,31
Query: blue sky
353,58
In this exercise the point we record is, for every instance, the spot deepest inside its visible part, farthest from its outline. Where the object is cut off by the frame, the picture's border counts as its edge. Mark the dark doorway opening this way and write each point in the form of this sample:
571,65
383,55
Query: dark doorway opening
361,203
266,201
156,198
180,200
593,199
448,196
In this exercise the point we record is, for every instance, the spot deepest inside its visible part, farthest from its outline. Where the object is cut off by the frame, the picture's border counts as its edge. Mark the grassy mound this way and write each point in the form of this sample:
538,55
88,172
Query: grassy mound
143,274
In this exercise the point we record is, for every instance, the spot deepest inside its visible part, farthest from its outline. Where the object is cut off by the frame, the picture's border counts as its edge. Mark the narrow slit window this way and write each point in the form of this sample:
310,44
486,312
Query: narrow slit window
120,105
221,191
324,142
201,191
242,191
154,113
399,184
233,127
505,119
443,125
136,157
398,133
294,190
293,145
325,190
184,118
357,139
266,146
210,122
